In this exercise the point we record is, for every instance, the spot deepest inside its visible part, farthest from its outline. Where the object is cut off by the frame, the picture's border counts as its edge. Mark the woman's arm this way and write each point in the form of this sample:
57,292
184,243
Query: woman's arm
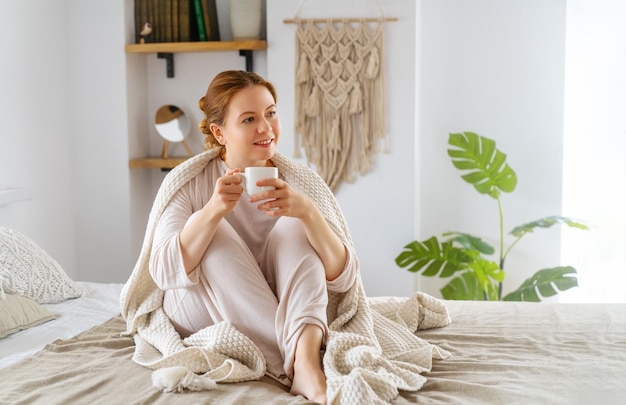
198,233
326,243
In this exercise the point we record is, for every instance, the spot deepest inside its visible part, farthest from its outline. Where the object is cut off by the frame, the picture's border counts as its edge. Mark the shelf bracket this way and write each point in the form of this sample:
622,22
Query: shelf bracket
169,62
247,53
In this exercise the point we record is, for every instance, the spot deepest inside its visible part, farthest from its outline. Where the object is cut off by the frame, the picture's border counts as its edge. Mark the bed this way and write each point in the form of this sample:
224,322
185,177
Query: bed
501,353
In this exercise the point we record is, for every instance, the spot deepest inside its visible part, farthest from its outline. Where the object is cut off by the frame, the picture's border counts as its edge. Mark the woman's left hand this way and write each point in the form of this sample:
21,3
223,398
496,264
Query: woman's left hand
284,200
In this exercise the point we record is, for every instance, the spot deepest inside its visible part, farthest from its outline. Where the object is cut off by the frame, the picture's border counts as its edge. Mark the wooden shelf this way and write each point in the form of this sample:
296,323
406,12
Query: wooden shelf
204,46
156,162
166,50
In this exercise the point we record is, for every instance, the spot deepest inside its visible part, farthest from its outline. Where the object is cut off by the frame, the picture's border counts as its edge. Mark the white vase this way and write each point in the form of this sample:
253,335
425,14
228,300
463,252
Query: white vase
245,18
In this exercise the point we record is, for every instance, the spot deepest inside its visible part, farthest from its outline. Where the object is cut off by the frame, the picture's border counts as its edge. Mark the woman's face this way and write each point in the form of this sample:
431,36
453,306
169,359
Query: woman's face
251,129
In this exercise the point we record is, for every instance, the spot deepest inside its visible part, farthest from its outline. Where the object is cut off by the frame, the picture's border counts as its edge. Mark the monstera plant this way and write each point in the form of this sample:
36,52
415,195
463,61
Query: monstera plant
465,258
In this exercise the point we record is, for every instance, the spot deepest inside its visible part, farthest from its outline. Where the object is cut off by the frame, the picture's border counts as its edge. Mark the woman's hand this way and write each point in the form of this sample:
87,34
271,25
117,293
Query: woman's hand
226,195
283,200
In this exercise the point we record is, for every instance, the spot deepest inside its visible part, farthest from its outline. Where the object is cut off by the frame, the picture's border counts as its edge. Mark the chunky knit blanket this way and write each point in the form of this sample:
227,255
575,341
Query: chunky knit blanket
372,350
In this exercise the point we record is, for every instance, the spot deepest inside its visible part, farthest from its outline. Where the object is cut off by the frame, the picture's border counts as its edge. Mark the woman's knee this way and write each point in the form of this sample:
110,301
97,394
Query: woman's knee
226,253
288,233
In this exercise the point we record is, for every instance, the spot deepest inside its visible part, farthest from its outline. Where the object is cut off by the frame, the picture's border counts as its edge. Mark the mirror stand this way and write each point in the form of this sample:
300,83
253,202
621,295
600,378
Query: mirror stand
165,149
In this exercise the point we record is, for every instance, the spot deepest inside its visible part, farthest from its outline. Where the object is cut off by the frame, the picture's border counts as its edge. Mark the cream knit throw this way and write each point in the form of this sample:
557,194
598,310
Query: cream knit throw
370,354
339,97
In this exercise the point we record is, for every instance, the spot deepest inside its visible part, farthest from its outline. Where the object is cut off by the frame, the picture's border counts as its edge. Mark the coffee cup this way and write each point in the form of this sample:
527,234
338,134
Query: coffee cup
253,174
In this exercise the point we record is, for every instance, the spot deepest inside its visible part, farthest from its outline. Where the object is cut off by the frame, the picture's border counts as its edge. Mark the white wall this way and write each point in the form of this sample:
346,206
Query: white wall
495,68
98,138
35,138
63,102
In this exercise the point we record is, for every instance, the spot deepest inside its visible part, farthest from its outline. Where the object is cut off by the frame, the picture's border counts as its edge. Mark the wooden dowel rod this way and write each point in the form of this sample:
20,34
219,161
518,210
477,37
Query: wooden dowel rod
338,20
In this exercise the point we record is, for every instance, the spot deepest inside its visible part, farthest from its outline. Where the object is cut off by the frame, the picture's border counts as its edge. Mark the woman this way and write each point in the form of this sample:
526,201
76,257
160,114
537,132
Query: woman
234,287
261,262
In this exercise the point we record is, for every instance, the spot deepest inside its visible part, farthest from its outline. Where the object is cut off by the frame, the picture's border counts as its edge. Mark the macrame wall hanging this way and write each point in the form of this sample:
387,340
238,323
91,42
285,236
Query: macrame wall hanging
340,117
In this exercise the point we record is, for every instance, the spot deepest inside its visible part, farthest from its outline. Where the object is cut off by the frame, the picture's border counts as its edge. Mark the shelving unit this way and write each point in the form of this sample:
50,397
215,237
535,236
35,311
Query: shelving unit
166,50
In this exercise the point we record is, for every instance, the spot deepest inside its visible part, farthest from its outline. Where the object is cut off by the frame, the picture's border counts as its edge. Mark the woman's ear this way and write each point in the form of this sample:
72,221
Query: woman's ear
217,133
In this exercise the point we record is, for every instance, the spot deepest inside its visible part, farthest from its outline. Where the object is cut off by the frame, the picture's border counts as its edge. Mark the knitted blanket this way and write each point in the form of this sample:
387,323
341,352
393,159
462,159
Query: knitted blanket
370,353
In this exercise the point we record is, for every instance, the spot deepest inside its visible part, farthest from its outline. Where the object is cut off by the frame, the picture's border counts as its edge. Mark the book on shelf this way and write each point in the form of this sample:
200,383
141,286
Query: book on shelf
137,20
199,17
175,23
184,22
209,12
166,20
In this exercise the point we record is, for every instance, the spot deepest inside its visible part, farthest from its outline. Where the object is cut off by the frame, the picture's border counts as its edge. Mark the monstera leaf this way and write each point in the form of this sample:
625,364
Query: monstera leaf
434,257
465,287
546,222
545,283
488,171
468,241
479,281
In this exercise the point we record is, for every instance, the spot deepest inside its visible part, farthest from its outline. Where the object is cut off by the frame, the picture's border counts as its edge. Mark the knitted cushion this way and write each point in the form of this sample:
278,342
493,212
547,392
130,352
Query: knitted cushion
26,269
17,313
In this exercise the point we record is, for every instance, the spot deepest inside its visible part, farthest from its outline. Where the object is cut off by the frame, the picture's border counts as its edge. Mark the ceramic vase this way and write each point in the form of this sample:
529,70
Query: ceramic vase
245,19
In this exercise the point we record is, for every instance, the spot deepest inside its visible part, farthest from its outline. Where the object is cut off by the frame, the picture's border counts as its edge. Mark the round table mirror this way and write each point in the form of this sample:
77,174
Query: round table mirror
173,126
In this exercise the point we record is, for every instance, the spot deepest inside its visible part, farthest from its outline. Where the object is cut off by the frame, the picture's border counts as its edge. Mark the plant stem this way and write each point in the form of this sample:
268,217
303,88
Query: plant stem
502,255
508,250
501,231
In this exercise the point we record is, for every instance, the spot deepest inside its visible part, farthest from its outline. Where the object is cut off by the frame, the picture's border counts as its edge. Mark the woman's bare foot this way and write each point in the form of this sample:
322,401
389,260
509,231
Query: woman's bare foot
308,378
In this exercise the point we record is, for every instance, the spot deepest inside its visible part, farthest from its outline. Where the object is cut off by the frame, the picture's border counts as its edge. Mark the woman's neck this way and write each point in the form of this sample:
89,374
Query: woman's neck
242,164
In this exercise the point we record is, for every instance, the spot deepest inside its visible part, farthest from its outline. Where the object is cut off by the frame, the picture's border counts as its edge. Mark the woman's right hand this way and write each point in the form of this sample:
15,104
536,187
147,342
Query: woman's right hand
227,193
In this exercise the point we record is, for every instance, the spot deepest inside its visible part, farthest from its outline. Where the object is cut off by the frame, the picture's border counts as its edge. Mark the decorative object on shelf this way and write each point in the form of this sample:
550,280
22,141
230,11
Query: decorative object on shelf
340,117
246,17
145,31
464,256
173,126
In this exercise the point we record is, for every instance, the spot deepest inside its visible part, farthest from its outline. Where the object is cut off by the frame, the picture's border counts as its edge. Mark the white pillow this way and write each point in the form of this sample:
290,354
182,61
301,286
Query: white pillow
26,269
17,313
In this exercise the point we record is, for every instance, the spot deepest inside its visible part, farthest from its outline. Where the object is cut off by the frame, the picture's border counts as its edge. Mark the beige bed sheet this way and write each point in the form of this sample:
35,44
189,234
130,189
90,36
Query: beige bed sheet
502,353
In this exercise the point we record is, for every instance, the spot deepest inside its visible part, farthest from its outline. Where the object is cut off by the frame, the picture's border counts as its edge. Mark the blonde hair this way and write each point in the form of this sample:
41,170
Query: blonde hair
221,90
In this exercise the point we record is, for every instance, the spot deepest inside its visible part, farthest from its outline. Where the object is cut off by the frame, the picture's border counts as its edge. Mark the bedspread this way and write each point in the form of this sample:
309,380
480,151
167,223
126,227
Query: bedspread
512,353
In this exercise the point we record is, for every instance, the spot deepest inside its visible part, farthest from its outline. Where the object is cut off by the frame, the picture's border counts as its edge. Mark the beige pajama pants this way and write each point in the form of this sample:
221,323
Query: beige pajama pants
270,303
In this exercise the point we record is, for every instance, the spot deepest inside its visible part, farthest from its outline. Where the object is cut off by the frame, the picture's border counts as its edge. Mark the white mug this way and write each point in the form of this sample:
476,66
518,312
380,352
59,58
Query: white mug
253,174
